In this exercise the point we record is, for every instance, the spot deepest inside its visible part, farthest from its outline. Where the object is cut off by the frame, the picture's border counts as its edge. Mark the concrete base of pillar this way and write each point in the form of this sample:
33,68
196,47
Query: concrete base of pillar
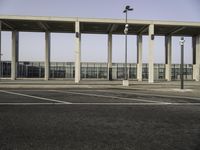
139,79
77,81
125,83
168,72
151,81
196,72
139,72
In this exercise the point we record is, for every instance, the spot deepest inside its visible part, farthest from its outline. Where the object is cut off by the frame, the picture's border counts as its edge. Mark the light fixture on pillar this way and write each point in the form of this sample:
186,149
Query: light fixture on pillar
77,35
152,36
125,81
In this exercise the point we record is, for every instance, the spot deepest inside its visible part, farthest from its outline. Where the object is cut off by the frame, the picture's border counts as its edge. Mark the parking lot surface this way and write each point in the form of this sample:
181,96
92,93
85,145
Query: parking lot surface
100,119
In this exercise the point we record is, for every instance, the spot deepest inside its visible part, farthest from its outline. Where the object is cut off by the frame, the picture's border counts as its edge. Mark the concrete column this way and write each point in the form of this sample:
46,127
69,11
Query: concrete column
196,56
139,57
151,54
47,54
77,52
109,56
168,57
0,51
15,49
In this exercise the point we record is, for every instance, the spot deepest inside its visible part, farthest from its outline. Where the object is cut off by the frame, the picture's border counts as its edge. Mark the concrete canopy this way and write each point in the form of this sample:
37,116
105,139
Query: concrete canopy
97,26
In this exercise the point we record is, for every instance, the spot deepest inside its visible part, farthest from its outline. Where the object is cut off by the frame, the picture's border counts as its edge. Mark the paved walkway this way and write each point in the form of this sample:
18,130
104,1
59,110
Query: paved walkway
191,88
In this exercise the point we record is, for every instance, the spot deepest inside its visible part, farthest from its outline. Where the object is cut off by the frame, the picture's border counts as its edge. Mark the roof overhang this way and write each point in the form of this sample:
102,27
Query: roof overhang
97,26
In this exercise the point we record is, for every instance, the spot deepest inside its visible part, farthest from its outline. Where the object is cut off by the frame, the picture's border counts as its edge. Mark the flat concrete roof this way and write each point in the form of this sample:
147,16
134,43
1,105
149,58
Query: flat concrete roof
97,26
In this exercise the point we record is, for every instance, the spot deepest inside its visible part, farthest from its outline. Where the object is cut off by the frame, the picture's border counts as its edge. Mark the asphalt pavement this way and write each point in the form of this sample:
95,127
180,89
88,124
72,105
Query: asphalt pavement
107,117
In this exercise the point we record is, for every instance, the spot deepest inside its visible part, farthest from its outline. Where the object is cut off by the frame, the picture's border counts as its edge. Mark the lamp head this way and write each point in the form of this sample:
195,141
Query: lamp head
128,8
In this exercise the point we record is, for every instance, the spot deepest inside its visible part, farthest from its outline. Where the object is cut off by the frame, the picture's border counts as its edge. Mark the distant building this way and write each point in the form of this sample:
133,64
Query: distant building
66,70
108,70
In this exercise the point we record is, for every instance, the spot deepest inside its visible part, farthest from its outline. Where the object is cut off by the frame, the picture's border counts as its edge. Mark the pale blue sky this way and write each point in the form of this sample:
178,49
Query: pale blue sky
94,47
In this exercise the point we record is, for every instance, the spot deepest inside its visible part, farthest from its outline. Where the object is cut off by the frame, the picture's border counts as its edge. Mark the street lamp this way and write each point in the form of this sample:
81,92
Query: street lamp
182,62
125,81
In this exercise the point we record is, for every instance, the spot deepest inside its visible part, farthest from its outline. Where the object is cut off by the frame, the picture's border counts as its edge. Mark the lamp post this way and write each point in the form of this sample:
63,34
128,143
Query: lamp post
182,62
125,81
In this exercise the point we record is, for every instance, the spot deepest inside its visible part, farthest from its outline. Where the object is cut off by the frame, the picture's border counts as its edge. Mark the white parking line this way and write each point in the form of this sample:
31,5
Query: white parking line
121,104
141,104
158,95
30,104
21,104
102,104
59,102
104,96
36,97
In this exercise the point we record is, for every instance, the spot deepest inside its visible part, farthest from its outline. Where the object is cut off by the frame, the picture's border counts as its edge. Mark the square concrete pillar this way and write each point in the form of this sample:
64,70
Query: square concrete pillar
139,57
77,52
168,57
0,51
15,54
196,58
109,56
47,54
151,53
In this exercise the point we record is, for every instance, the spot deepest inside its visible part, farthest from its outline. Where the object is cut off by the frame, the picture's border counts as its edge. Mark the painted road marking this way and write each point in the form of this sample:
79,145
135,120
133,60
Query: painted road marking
141,104
103,104
59,102
36,97
104,96
156,95
21,104
131,93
